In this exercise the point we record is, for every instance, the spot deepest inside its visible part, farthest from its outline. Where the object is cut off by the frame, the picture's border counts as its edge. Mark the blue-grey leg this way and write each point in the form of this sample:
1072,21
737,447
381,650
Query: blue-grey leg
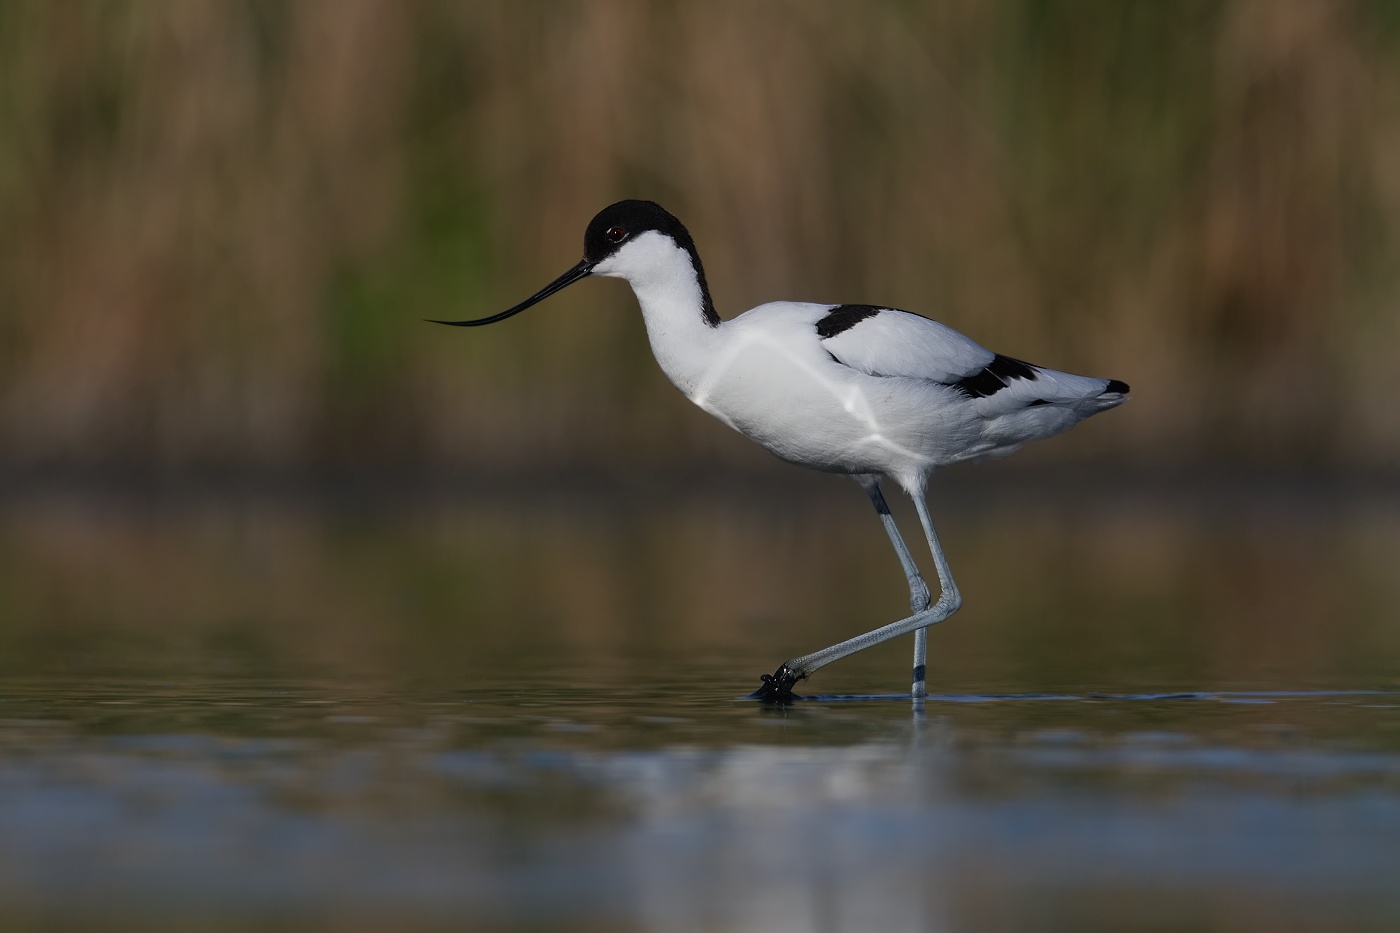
949,601
919,596
918,689
948,595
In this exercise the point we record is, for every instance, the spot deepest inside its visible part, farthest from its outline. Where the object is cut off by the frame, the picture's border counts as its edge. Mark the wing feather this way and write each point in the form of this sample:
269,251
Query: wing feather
890,342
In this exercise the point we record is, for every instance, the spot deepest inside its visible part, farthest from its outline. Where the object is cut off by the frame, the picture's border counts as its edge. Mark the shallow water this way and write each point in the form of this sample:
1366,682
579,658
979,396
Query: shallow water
1163,708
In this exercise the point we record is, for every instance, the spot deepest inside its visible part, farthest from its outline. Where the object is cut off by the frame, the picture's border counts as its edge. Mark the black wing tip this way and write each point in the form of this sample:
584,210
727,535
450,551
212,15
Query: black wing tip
995,376
1116,386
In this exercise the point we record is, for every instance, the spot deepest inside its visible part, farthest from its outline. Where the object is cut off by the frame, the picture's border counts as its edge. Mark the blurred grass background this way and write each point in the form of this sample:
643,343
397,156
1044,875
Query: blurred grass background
222,221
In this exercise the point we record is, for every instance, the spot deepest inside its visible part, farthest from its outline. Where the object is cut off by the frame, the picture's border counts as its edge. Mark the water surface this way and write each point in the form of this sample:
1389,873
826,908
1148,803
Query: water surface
1157,711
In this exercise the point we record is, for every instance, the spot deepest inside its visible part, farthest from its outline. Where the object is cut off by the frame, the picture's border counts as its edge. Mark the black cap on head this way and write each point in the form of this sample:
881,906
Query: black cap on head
618,224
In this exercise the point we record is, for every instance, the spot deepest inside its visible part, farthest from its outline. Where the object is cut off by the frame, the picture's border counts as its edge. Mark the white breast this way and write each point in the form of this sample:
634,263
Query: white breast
772,379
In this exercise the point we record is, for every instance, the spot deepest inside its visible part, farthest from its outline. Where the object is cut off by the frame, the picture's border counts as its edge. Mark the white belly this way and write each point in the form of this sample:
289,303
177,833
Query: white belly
810,410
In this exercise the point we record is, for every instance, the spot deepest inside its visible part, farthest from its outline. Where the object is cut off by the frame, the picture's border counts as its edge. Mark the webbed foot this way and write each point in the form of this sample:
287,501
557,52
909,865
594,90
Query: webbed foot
777,686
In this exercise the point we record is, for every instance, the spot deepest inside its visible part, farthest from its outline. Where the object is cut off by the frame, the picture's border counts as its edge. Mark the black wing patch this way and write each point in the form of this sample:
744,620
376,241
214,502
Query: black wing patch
994,377
843,317
989,380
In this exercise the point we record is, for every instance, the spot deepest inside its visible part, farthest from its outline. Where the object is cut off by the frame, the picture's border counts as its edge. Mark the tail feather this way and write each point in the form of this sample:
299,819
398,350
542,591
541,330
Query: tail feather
1041,405
1113,394
1085,395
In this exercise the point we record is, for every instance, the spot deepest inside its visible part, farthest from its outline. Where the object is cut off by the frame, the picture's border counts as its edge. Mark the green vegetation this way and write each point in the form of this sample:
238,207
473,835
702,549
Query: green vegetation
222,222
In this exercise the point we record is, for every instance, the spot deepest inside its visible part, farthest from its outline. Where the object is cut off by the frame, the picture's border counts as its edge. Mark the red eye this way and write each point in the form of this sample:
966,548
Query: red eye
616,234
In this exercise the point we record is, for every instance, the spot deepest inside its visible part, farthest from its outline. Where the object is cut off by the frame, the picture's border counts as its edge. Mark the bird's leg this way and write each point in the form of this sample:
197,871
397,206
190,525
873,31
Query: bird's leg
919,596
779,685
948,592
918,687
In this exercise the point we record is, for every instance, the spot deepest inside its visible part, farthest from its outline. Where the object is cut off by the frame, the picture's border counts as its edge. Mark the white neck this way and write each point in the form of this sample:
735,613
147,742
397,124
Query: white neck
668,288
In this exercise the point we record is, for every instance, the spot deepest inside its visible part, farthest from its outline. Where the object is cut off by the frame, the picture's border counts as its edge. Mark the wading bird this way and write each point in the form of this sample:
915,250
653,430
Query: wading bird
864,390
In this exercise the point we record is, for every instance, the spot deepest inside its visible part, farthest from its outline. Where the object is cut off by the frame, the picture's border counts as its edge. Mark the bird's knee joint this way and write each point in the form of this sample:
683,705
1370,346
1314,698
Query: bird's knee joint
919,597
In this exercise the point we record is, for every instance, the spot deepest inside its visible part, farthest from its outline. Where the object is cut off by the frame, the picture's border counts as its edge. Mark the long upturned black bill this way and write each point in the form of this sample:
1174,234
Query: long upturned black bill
568,278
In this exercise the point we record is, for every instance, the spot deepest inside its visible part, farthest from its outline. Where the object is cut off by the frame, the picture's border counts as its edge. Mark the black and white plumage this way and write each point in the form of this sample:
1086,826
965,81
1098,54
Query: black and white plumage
864,390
